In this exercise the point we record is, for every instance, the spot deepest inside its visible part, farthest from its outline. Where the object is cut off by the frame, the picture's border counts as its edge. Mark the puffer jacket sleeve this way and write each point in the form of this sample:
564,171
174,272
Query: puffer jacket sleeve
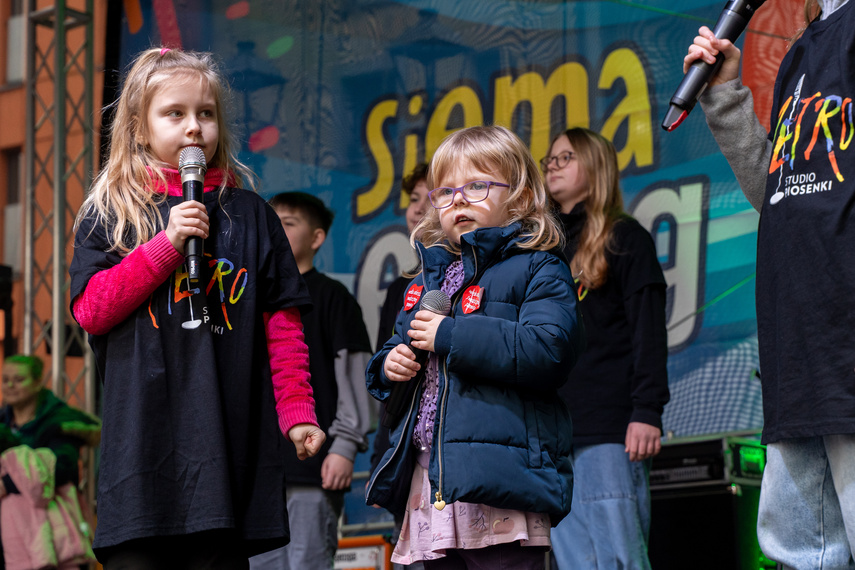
379,386
537,350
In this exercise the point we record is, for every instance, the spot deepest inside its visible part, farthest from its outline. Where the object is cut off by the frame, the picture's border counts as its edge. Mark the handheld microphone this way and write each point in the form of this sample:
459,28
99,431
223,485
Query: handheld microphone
435,301
191,165
731,23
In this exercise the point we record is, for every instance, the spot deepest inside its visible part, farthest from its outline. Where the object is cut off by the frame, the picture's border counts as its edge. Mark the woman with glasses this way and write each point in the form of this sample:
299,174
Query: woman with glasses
619,387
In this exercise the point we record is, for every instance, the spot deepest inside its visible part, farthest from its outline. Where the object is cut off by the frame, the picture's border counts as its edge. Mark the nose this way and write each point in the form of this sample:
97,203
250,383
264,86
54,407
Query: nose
193,126
421,207
458,197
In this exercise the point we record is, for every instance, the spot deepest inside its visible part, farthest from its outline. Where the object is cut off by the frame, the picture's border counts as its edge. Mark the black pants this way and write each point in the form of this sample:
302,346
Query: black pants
209,550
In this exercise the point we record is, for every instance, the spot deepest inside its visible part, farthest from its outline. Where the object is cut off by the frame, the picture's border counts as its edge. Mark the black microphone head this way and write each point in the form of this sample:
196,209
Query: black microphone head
436,301
194,158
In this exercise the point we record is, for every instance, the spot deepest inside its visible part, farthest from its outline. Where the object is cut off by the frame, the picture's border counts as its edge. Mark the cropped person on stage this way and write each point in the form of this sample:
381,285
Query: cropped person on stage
617,391
801,178
339,349
201,377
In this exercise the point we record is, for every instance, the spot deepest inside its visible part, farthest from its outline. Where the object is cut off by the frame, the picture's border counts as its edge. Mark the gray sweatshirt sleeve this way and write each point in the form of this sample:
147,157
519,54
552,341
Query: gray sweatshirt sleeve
729,109
356,411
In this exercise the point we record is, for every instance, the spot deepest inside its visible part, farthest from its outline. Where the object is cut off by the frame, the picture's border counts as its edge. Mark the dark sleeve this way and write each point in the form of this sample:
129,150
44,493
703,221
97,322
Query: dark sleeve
632,257
280,284
347,327
389,312
645,310
643,285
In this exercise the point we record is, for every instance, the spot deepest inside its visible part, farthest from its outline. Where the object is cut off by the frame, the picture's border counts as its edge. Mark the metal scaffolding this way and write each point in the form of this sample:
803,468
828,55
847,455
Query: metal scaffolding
60,62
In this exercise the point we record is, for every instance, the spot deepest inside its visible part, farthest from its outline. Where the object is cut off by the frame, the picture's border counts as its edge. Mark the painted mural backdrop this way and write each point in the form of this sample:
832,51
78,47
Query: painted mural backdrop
341,98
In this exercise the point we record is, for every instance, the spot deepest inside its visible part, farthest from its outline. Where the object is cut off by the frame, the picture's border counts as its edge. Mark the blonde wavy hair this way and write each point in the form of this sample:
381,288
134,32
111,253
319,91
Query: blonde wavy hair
121,196
494,149
603,204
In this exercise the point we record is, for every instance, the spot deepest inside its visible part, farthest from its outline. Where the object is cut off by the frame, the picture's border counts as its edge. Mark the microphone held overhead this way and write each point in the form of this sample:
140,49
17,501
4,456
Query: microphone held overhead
192,167
435,301
731,23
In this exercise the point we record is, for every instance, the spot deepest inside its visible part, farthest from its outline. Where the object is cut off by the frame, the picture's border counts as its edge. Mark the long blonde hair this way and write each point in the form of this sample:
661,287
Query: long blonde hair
495,149
603,204
121,196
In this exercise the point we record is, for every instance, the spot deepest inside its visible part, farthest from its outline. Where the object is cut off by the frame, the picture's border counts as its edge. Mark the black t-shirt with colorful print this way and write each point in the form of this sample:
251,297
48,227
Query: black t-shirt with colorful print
806,239
190,437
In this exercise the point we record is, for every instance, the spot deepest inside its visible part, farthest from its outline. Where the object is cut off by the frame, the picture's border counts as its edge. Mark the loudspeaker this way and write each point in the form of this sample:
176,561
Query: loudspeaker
704,497
711,527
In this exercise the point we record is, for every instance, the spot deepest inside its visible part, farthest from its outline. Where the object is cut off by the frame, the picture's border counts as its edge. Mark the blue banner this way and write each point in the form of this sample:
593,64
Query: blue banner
341,98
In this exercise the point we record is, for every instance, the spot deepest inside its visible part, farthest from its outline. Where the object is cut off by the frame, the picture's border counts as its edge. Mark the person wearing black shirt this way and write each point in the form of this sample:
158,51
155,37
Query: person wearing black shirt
339,349
800,176
618,389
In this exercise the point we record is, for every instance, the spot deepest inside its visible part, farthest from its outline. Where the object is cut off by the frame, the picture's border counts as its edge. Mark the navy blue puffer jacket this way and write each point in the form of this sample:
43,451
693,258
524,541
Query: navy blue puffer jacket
502,434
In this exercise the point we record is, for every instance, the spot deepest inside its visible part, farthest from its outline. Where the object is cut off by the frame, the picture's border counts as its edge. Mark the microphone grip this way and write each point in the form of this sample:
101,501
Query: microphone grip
729,26
193,246
403,391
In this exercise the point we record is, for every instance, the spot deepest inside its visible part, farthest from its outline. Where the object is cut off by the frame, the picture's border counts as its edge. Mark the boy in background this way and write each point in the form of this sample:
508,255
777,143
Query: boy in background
339,350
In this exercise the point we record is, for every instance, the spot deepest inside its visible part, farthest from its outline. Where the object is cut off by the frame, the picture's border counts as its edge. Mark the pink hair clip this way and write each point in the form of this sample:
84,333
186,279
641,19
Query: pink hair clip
163,51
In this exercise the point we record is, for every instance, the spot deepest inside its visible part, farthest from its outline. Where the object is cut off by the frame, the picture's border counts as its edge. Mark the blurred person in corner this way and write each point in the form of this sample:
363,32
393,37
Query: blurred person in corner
41,522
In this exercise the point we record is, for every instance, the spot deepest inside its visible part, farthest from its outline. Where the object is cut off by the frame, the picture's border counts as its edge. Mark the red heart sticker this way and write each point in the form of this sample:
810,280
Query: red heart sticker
413,296
472,299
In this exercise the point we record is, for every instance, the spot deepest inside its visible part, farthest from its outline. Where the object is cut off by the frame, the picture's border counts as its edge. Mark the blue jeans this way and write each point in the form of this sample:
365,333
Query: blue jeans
609,523
313,517
806,516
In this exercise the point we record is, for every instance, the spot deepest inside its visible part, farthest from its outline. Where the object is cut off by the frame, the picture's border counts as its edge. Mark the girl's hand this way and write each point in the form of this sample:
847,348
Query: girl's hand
423,329
400,364
706,48
307,438
185,220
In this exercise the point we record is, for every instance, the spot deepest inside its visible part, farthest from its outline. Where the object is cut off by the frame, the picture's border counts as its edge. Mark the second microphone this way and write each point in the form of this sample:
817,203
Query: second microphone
435,301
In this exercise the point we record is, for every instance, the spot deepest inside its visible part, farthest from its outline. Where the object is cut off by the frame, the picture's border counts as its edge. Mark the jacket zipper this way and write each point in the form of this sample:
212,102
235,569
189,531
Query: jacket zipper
439,504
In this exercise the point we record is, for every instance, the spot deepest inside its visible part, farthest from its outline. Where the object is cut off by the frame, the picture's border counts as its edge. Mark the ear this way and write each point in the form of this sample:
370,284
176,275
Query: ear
319,236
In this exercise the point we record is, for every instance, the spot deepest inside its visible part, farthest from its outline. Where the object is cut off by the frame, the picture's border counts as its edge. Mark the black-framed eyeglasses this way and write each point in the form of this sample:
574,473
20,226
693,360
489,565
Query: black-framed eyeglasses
472,192
561,159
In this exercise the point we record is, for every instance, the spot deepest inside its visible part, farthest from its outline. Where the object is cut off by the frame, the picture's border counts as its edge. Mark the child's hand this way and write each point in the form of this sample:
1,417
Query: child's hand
400,364
307,438
706,47
336,472
423,329
642,441
185,220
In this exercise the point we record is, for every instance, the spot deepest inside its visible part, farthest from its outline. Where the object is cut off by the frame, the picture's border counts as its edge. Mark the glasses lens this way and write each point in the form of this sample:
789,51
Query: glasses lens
562,159
476,191
544,163
441,197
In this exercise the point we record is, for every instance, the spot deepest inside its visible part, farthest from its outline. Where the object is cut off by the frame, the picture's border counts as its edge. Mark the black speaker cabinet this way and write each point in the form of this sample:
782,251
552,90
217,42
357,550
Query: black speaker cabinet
704,498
